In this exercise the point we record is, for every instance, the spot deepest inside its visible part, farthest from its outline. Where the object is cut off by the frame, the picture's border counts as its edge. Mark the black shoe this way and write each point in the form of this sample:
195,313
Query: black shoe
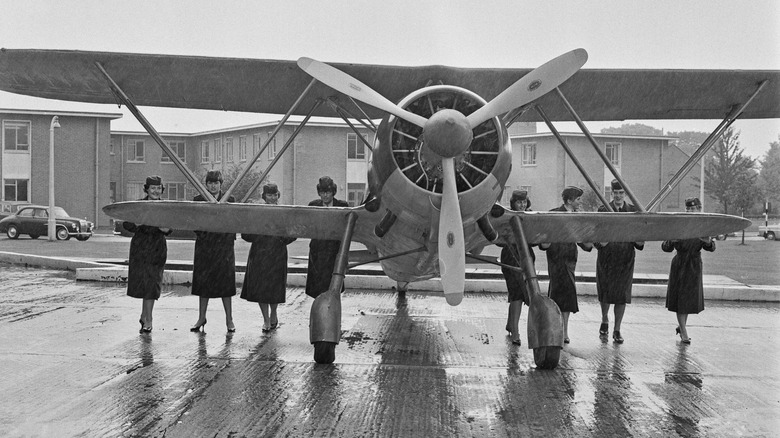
197,327
616,336
565,340
604,329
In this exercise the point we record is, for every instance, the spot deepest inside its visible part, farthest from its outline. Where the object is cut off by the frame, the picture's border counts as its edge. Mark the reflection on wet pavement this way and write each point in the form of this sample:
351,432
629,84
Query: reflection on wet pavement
405,367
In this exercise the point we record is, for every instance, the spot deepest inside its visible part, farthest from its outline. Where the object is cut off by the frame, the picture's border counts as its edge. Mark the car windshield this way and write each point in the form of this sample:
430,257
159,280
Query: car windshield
60,212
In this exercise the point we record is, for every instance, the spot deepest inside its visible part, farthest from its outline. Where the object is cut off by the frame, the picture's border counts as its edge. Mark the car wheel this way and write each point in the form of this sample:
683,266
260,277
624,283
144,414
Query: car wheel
769,236
62,234
82,238
12,232
34,236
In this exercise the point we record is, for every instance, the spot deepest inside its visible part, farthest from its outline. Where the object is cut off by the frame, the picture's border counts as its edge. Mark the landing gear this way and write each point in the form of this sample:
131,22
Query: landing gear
324,352
545,321
325,317
546,358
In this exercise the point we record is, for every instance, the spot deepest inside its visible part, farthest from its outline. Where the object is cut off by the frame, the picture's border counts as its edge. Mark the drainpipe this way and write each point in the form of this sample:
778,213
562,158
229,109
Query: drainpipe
97,169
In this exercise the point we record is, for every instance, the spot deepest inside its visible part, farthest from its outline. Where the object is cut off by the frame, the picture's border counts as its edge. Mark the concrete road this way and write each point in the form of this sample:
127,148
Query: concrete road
73,364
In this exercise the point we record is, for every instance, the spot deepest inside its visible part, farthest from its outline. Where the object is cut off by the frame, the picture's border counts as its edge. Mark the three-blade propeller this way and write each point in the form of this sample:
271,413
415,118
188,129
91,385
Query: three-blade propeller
449,133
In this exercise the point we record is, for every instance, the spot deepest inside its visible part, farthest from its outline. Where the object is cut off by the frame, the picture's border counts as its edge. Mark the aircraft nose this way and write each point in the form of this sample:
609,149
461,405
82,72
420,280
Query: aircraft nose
448,133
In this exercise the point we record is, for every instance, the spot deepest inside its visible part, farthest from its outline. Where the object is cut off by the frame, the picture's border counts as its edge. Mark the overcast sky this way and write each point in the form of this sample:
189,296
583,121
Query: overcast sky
728,34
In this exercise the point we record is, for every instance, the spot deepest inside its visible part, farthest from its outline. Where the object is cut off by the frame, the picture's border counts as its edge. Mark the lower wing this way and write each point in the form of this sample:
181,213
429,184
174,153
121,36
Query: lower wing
553,226
274,220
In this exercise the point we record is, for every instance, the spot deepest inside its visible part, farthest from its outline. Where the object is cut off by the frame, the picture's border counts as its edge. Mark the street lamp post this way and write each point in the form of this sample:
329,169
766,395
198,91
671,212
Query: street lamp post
55,123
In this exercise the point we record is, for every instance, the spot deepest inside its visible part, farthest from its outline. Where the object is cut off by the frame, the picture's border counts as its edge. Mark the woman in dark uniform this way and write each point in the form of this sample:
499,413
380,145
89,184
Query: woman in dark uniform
265,281
515,283
561,263
148,254
214,264
685,292
615,269
322,253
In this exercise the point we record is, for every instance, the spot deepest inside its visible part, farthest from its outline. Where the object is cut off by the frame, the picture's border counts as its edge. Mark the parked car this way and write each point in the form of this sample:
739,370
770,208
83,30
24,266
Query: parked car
769,232
33,220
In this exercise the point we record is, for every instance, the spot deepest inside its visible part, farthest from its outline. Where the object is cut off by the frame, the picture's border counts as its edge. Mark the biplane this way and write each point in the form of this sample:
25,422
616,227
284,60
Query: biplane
440,155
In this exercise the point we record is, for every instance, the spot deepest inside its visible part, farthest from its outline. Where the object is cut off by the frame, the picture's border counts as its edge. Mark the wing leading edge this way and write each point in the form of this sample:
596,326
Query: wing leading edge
272,86
541,227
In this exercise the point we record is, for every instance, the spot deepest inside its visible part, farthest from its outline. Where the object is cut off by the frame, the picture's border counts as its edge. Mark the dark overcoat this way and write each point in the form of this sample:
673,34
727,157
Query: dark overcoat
148,254
561,263
322,257
266,269
685,291
615,266
214,264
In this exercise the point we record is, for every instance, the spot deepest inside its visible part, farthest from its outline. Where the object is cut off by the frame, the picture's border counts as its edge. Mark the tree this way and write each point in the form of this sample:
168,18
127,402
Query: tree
689,141
633,129
769,178
729,177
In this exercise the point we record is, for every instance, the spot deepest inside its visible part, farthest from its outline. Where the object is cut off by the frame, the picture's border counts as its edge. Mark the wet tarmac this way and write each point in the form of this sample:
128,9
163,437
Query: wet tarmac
74,364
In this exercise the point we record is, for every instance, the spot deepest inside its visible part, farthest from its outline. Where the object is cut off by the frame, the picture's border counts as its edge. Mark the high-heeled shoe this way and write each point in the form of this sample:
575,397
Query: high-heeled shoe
616,336
604,329
197,327
144,329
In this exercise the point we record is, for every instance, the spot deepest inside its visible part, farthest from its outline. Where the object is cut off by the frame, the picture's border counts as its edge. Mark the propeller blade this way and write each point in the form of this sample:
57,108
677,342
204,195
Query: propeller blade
532,86
452,252
344,83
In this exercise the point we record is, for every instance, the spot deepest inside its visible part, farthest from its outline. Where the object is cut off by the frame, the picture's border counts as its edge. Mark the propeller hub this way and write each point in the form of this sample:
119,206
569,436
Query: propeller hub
448,133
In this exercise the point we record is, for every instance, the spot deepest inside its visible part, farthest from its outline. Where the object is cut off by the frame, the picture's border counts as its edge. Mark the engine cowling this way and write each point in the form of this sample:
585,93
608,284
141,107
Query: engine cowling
409,174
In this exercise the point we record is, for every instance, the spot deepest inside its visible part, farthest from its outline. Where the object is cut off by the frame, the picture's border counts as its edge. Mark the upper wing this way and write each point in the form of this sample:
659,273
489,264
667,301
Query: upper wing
558,226
271,86
275,220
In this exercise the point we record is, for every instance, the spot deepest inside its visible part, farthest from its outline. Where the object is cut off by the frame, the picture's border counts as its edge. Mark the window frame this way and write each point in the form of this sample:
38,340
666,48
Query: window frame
218,150
133,145
242,148
181,191
205,151
229,149
525,160
16,124
272,146
182,157
615,146
16,189
359,144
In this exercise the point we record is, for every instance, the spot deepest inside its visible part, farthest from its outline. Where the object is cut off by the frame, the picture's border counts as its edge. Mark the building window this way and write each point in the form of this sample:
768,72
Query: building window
229,150
242,148
355,193
612,150
356,150
178,148
16,190
204,152
174,191
218,150
135,191
16,136
111,148
255,144
528,154
135,151
271,147
112,191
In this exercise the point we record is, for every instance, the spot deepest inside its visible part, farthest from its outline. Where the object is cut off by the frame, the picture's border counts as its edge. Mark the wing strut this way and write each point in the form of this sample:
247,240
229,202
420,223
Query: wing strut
597,190
705,146
279,125
600,153
120,94
279,154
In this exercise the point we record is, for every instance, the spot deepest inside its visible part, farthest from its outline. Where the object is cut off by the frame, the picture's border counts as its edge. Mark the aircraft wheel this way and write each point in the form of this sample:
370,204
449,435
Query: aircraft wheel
324,352
34,236
769,236
12,232
546,358
62,234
